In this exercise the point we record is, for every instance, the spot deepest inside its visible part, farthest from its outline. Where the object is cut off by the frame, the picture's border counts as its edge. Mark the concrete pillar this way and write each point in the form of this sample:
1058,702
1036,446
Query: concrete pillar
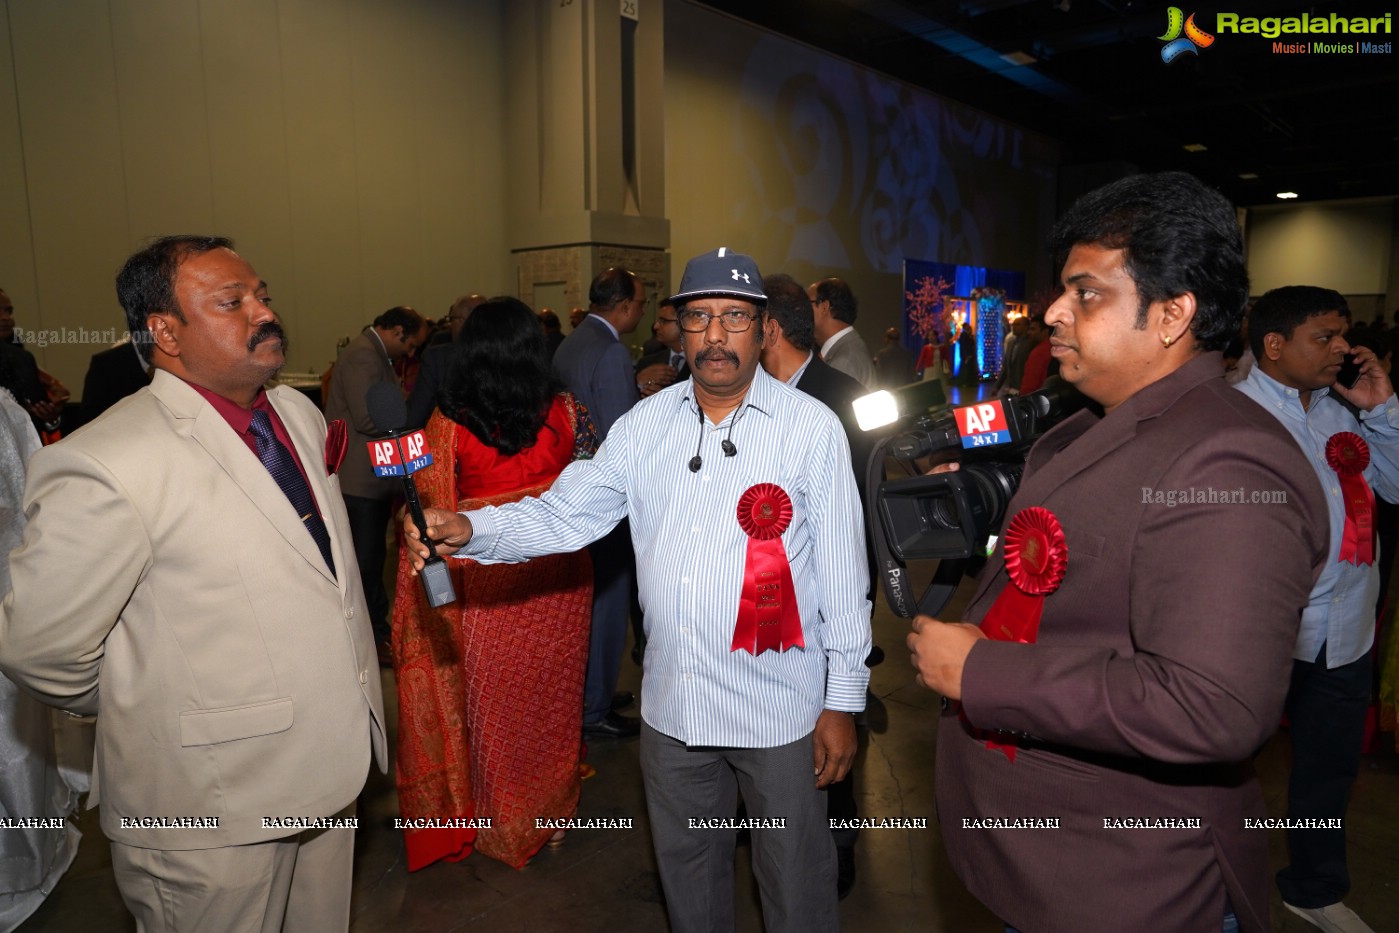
586,136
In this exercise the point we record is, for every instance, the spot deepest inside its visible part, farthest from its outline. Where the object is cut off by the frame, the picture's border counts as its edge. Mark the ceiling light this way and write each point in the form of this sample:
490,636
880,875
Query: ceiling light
1287,195
1194,147
1248,176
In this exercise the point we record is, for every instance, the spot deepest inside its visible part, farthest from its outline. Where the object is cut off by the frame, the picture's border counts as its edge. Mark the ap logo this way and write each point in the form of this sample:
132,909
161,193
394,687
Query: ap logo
1177,44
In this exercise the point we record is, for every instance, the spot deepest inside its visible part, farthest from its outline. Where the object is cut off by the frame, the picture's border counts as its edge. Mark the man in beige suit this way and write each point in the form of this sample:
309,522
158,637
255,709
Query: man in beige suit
187,574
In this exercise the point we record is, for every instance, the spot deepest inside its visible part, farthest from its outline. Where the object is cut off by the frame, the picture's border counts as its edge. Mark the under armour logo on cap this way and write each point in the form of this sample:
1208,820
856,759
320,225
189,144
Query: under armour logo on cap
721,272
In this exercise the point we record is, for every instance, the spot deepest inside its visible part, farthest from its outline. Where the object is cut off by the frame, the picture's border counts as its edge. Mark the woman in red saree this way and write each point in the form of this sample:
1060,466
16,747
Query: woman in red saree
490,688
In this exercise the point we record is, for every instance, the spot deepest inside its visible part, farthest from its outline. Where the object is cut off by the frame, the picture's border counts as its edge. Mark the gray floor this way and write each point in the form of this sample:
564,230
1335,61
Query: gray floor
606,881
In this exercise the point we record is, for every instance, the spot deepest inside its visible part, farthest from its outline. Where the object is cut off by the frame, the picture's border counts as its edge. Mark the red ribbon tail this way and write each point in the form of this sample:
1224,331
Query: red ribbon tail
768,619
1014,616
1007,750
1358,537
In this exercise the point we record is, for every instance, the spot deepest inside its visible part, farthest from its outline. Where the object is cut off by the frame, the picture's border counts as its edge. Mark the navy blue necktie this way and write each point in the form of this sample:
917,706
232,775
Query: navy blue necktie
278,460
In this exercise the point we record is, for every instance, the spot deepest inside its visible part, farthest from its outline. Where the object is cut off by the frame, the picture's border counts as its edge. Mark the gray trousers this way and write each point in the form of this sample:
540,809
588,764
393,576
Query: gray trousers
795,865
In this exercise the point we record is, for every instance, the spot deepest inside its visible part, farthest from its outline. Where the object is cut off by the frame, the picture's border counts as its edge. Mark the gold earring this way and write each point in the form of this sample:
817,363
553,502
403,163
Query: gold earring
1165,341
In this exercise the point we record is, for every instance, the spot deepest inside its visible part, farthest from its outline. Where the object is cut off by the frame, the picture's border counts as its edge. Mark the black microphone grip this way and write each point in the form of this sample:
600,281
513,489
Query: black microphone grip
435,575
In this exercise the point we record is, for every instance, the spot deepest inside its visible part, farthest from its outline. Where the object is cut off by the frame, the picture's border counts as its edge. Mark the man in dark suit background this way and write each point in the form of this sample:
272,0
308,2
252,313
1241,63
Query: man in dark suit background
841,346
671,354
1138,614
787,355
596,367
112,375
436,359
368,360
893,363
553,331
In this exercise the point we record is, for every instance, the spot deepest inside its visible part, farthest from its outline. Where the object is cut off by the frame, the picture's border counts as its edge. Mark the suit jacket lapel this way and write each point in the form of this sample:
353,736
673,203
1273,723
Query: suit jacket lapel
207,427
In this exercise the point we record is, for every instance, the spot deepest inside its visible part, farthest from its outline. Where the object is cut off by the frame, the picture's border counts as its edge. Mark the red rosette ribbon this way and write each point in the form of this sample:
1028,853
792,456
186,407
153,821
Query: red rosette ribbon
1349,455
767,607
1036,556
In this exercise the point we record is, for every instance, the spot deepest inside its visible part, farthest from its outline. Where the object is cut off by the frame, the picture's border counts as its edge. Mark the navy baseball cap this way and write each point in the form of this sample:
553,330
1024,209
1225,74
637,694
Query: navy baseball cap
721,272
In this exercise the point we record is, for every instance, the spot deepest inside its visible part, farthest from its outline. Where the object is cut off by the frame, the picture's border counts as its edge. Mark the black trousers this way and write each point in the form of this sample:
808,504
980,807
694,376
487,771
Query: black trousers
1326,714
369,528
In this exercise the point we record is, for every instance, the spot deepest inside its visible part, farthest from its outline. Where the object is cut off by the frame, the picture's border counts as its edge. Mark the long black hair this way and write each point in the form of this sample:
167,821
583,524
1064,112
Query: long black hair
500,384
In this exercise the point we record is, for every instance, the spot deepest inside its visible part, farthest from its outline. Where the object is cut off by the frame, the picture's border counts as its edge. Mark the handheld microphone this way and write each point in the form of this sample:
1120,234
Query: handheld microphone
400,452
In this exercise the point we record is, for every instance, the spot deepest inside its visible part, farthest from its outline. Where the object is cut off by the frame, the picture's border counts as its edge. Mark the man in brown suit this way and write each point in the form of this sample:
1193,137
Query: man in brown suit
1097,772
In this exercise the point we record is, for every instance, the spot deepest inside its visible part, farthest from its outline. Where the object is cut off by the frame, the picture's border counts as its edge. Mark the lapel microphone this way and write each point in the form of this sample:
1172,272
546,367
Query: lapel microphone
727,445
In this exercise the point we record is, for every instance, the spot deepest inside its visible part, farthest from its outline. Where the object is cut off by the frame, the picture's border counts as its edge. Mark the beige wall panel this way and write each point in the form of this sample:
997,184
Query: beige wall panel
244,97
73,160
325,224
459,145
1340,245
386,117
162,104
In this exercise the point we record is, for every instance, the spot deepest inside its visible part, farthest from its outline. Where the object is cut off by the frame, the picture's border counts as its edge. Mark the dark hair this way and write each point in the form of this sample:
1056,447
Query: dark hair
612,287
550,320
1282,309
1179,236
844,307
146,282
400,316
499,384
790,307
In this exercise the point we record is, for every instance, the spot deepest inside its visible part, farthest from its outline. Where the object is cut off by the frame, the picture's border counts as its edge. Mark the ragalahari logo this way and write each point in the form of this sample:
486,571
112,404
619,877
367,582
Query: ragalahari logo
1177,44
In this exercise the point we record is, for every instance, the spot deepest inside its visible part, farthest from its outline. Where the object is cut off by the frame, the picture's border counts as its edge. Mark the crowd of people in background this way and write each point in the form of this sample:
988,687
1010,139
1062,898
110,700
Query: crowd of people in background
582,490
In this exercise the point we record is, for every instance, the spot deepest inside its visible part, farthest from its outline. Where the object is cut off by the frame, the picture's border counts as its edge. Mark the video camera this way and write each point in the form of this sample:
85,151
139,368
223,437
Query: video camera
952,516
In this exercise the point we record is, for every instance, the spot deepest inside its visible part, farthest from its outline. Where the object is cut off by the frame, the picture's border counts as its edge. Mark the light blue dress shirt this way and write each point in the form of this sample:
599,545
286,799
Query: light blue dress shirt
1341,613
691,554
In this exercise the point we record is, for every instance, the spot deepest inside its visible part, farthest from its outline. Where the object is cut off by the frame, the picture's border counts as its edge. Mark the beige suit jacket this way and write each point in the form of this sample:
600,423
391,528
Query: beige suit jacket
166,583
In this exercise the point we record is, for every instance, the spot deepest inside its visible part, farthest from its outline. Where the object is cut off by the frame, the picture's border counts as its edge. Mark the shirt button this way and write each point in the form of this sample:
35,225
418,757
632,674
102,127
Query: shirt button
695,529
350,612
685,581
364,677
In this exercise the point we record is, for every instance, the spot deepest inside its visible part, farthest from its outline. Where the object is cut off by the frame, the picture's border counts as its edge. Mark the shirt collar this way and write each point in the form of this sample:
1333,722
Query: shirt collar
1275,391
761,396
801,370
605,323
380,341
834,339
240,419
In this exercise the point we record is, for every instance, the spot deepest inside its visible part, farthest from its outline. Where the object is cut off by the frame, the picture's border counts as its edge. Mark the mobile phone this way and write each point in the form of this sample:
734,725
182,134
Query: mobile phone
1350,372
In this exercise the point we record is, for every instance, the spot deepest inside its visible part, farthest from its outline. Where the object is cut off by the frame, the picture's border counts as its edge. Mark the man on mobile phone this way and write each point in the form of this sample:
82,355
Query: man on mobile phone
1296,335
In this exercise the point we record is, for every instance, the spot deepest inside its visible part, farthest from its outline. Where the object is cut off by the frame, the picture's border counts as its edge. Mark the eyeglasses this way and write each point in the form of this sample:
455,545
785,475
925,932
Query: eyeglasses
666,320
735,322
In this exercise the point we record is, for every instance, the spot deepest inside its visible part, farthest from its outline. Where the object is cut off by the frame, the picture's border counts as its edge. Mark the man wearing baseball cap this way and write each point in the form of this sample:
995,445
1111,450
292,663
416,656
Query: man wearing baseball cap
748,537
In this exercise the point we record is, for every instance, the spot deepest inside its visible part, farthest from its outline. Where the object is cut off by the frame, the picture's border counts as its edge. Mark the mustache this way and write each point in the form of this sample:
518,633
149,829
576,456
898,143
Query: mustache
267,332
717,353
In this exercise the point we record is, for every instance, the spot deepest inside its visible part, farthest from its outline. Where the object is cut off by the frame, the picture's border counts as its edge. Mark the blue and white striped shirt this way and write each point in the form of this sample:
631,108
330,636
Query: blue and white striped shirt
1341,613
691,553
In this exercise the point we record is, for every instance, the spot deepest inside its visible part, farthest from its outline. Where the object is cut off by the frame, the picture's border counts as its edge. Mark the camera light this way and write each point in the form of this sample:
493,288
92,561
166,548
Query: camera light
876,410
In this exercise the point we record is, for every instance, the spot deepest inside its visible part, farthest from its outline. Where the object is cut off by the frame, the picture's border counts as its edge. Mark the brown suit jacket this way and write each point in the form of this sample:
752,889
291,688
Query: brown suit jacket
166,583
1160,667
